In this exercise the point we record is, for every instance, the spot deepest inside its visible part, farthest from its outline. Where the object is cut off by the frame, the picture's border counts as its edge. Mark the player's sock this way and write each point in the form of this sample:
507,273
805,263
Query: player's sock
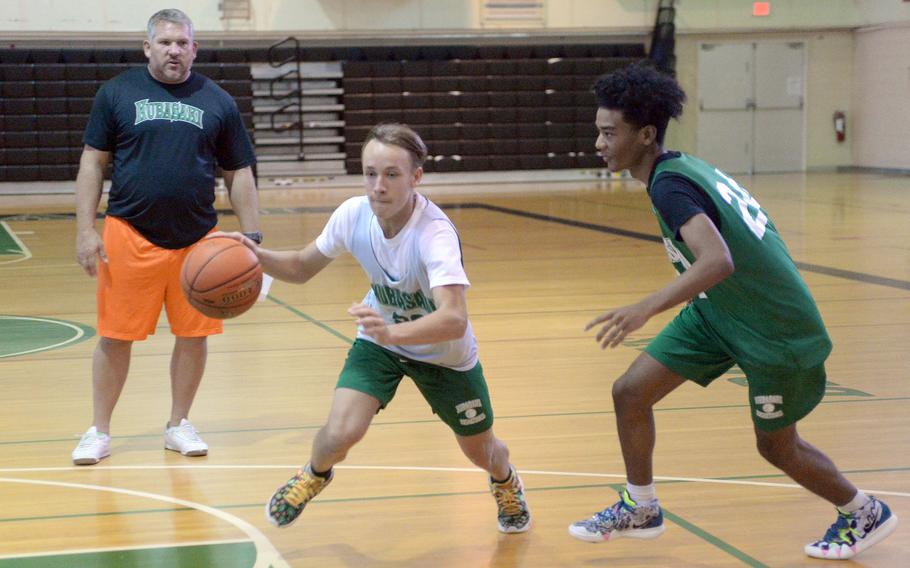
859,501
508,477
323,474
642,494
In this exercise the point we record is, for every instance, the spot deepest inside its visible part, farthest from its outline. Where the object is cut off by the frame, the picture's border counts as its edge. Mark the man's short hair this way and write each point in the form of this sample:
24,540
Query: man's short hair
171,15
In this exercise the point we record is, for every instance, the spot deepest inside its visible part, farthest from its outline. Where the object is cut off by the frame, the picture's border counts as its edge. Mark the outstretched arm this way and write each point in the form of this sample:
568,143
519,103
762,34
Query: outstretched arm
712,265
289,265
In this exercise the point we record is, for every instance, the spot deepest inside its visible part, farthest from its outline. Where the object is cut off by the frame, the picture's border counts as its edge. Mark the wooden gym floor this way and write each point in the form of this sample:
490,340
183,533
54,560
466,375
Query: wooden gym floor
543,258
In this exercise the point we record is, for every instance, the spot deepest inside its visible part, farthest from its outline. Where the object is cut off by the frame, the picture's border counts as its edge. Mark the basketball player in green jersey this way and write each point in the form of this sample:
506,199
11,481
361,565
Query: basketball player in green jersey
746,305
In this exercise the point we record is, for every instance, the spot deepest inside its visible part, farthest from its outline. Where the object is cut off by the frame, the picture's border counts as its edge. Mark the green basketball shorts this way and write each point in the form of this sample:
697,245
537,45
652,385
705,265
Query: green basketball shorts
459,398
778,397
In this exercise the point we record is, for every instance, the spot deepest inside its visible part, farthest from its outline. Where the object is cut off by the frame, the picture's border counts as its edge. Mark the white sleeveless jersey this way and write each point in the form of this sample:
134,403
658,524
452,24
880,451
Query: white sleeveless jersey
403,270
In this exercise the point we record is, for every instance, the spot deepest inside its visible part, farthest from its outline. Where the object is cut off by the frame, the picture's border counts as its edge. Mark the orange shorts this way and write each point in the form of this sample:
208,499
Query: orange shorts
136,280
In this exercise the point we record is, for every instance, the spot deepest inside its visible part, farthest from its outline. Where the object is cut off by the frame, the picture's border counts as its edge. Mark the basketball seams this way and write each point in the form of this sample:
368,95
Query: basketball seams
201,270
249,270
222,278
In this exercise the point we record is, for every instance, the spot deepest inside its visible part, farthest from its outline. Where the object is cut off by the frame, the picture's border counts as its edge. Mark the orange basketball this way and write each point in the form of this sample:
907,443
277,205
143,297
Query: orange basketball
221,278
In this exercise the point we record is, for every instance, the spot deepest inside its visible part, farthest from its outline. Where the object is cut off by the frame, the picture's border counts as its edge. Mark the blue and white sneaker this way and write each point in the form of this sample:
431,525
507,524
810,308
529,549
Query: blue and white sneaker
853,533
625,519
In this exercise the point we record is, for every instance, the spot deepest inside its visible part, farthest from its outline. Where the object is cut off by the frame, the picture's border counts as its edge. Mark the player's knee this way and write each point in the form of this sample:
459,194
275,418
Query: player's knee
487,453
342,436
625,396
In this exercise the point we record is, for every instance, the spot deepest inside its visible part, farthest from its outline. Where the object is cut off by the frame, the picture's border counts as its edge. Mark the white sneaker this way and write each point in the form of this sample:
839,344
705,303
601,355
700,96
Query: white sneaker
184,439
92,448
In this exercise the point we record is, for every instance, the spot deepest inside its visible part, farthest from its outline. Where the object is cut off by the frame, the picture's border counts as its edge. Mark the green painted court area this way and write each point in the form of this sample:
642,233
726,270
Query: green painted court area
20,335
227,555
8,245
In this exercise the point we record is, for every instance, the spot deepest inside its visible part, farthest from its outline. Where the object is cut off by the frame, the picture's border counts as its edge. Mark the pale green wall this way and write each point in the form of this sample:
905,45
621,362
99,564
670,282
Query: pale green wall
829,72
731,15
880,120
342,16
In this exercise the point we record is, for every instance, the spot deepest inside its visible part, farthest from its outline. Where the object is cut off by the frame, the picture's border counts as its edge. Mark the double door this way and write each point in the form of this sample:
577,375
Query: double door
752,106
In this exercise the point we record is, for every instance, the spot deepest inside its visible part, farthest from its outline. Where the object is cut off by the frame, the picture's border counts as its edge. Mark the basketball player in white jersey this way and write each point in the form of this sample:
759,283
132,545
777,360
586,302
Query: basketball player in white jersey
413,321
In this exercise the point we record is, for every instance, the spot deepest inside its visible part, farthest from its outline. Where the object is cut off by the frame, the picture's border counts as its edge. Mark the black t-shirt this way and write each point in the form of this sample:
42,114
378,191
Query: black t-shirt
166,140
677,199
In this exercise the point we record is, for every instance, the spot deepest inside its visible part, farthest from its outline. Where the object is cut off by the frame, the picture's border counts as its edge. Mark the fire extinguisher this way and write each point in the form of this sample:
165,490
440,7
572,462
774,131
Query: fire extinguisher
840,125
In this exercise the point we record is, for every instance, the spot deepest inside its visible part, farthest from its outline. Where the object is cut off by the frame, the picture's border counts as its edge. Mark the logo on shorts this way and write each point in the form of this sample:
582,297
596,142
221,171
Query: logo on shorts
470,412
768,406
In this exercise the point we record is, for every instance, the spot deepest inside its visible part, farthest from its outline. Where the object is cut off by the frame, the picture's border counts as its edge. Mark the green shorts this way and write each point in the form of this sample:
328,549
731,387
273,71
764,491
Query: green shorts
778,396
460,398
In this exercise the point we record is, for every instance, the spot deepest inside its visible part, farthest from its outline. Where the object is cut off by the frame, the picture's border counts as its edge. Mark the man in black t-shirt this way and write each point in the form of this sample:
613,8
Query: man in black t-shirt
166,128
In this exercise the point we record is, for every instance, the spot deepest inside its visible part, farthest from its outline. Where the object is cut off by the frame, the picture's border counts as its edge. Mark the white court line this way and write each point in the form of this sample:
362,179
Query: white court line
266,555
74,551
418,468
79,333
27,254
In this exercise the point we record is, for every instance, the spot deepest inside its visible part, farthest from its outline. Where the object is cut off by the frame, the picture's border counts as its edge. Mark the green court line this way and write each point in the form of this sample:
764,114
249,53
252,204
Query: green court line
705,535
717,542
676,519
312,320
436,421
326,501
226,555
323,501
108,514
695,530
199,557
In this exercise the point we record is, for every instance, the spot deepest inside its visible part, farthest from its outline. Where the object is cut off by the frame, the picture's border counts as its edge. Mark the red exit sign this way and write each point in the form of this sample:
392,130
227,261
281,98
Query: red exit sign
764,8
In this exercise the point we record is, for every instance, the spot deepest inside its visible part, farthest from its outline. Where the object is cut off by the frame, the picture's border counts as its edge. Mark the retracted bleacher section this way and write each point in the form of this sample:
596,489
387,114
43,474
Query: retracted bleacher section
478,108
46,96
486,107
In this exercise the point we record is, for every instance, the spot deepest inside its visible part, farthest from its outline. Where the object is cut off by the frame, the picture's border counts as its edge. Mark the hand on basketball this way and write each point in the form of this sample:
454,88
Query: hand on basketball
617,324
237,236
89,246
371,322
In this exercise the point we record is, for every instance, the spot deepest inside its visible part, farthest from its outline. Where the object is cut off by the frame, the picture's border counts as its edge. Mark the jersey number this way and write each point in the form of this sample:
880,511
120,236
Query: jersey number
733,192
398,318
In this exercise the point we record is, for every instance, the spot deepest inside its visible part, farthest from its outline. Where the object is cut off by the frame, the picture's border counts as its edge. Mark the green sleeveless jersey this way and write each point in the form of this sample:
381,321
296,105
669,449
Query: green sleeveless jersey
763,313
